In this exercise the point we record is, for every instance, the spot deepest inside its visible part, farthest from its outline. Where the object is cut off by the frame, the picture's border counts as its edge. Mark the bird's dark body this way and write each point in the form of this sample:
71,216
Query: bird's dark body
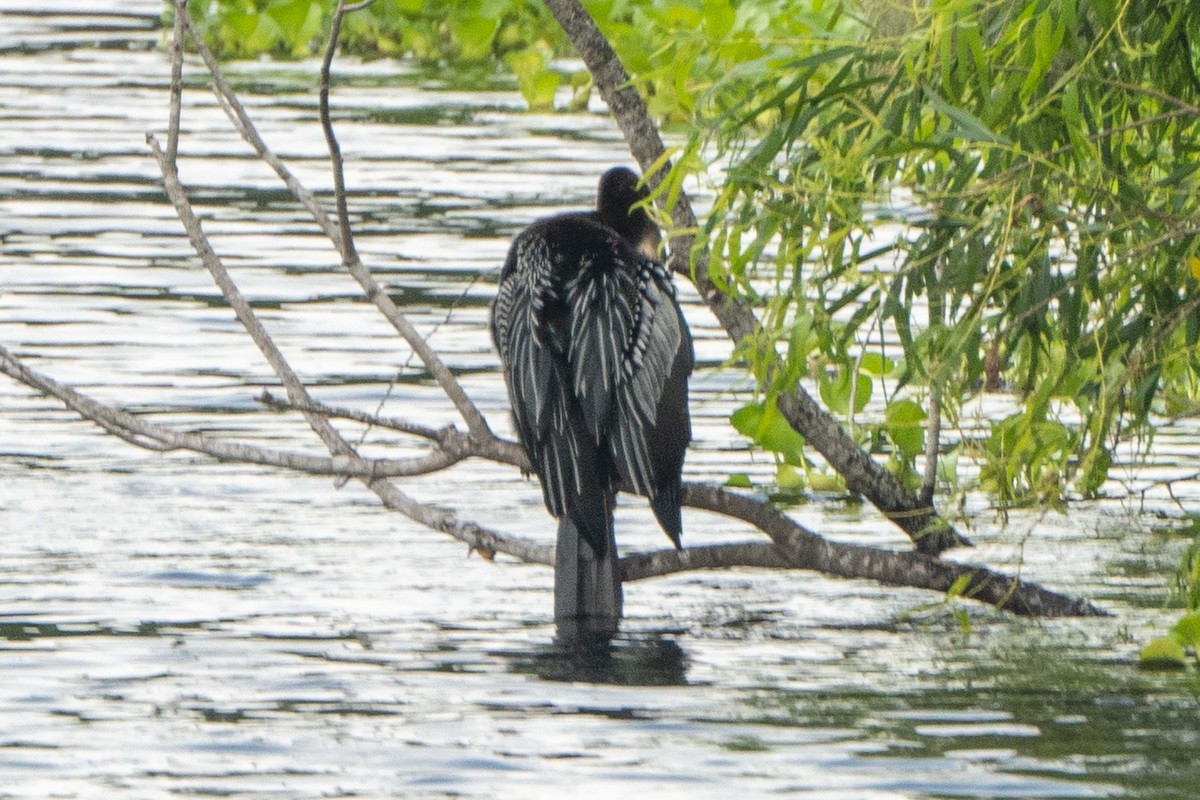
596,357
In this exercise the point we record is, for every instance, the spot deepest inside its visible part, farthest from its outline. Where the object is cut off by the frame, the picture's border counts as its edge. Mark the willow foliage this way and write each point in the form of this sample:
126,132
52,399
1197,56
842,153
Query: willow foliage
1008,189
1004,192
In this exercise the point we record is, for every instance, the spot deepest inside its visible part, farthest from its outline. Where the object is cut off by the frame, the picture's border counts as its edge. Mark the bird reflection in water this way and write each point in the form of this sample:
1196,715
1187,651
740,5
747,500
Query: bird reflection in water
619,661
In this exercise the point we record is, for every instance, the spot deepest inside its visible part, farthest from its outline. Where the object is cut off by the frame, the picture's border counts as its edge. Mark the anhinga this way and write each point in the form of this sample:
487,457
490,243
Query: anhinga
596,357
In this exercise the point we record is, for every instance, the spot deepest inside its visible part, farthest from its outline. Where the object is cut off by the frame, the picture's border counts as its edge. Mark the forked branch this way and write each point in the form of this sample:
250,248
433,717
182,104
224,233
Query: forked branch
793,547
334,229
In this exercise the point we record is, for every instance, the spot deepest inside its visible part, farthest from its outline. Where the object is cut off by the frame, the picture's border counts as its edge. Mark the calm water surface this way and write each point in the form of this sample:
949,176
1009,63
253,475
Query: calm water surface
170,626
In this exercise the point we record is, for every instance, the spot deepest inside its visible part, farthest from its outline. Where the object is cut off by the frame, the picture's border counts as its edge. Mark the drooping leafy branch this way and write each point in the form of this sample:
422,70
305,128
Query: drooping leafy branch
1007,191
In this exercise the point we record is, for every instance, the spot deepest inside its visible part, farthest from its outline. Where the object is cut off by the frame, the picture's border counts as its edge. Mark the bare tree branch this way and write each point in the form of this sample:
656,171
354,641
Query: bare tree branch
862,474
803,549
371,288
151,436
792,546
795,547
181,16
373,420
475,535
345,237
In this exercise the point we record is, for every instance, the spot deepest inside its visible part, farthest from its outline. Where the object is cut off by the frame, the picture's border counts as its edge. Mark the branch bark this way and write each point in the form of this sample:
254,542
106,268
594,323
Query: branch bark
930,533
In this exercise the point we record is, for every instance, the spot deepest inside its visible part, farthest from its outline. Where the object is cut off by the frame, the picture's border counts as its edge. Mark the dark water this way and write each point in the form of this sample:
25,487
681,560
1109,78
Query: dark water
171,626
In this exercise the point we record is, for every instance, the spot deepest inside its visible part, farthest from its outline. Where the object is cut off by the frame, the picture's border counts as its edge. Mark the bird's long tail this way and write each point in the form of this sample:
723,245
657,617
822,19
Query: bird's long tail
587,587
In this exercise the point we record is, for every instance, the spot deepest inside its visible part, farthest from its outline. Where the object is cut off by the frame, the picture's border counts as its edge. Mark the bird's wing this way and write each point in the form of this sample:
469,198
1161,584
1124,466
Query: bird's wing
625,333
657,336
603,301
515,329
531,329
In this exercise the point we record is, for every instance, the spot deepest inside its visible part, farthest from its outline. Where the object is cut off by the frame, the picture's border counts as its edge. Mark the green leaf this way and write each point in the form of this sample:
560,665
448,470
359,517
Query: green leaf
821,481
537,83
1093,471
298,22
959,587
474,35
739,480
1164,652
765,426
251,32
904,421
967,125
718,19
788,477
1187,630
876,364
289,14
838,392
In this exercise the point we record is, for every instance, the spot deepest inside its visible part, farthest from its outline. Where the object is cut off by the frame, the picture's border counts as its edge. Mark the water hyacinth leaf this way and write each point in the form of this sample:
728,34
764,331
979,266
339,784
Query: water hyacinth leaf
876,364
739,480
537,83
824,482
252,32
788,477
299,22
474,34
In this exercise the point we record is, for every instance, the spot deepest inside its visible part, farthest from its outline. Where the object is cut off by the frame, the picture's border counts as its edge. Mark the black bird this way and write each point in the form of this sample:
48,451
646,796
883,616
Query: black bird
596,357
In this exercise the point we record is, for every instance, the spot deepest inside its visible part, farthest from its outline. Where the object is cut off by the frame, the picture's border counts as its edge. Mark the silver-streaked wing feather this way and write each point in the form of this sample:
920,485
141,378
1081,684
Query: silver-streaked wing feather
655,339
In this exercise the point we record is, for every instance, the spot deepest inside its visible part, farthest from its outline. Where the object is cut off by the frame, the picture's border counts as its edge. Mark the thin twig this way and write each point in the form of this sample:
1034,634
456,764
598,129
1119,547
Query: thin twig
181,15
373,420
371,288
348,248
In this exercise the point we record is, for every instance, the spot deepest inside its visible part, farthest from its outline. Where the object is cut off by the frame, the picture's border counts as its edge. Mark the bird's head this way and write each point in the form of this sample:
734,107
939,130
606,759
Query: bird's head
619,193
